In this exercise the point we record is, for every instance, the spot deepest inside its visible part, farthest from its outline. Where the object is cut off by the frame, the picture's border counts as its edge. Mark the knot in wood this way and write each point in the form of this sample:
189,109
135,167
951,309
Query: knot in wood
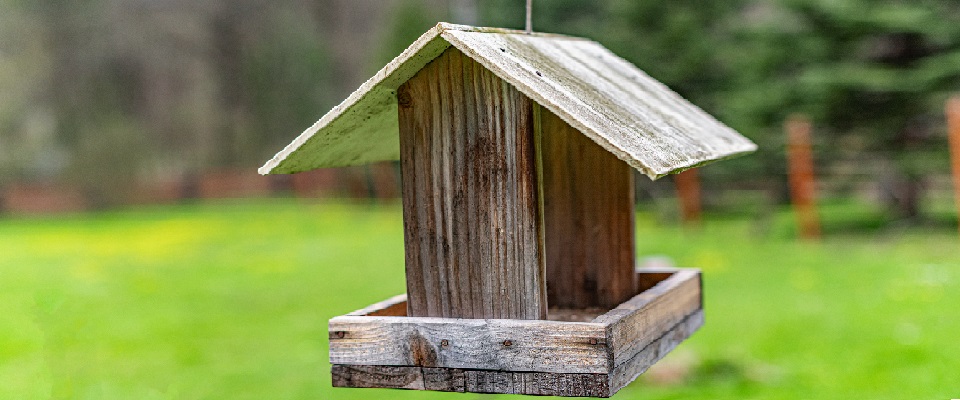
508,343
444,343
404,99
422,351
593,341
341,334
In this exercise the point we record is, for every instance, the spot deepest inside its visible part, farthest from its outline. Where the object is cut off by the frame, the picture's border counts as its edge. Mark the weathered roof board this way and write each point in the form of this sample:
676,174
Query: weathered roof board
605,97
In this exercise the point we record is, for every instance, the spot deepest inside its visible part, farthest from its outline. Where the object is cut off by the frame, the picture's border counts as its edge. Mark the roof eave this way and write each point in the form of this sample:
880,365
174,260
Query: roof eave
357,131
388,75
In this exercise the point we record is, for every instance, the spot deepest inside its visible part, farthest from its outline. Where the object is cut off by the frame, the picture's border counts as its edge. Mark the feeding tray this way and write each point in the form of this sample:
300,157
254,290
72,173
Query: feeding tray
381,347
517,154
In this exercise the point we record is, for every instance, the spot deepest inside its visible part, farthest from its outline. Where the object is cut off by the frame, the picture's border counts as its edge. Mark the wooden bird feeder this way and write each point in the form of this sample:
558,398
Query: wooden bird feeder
516,152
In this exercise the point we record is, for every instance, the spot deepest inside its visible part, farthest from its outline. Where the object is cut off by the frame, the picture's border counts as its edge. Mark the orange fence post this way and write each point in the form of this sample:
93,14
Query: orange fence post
803,186
953,127
688,190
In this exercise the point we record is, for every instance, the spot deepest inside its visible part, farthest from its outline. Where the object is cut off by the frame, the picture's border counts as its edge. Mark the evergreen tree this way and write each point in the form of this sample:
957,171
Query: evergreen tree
872,75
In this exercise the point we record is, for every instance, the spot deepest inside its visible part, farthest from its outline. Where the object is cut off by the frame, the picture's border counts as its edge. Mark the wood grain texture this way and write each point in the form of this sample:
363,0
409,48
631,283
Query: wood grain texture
519,356
503,345
615,104
629,369
366,376
530,383
444,379
537,383
470,194
472,381
588,209
633,325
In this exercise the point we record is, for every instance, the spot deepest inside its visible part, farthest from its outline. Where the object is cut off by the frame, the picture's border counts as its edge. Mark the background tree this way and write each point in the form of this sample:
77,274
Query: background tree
873,76
107,93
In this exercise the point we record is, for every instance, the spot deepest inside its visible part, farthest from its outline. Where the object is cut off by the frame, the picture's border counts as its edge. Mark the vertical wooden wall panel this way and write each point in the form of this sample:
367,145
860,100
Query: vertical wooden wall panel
588,219
471,211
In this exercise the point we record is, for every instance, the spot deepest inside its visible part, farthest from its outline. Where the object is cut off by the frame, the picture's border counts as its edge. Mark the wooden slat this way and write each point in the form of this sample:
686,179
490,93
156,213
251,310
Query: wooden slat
588,219
473,381
444,379
518,356
366,376
636,323
537,383
630,369
505,345
471,215
395,306
530,383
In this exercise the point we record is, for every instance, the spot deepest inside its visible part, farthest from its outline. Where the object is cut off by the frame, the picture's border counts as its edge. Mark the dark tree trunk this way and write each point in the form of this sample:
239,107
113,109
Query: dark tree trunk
907,192
902,194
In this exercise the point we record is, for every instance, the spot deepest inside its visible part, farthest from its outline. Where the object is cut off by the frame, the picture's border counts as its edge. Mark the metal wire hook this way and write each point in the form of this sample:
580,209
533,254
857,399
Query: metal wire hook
529,16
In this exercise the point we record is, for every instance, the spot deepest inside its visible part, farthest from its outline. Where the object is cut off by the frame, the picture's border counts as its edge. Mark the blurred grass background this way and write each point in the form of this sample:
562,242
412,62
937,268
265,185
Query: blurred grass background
230,301
111,103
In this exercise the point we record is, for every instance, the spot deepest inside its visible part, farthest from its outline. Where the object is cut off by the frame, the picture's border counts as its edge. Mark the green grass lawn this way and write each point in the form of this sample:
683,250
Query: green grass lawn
230,301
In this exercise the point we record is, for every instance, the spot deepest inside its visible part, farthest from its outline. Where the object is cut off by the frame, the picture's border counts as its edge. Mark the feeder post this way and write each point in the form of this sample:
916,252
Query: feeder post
803,186
953,126
472,226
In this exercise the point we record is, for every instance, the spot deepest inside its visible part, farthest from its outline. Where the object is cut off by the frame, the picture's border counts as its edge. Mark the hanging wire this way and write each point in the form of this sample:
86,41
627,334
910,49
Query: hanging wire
529,16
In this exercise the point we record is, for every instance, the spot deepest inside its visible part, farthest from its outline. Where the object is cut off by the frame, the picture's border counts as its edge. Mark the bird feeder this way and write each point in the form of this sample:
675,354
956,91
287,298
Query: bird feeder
517,153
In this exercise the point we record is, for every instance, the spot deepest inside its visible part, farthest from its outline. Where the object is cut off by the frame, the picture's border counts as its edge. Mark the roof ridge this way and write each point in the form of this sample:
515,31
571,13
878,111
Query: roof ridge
447,26
608,99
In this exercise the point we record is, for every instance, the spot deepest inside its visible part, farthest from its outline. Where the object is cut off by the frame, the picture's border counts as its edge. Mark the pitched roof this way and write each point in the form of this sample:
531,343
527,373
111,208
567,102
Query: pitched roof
605,97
